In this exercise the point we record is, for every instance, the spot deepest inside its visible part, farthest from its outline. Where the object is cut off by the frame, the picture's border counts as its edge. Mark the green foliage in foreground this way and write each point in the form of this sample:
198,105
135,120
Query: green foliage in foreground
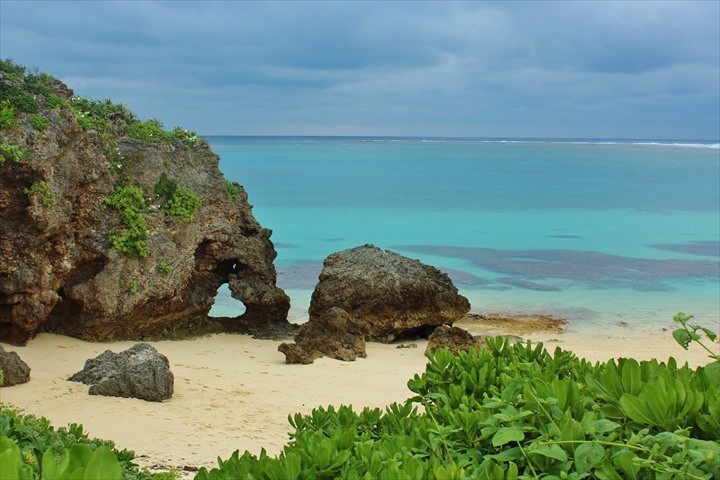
30,448
129,203
513,412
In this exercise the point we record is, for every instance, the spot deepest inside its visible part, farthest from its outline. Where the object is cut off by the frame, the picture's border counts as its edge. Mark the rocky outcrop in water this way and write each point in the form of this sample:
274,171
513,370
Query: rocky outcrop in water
139,372
335,334
15,370
62,235
389,296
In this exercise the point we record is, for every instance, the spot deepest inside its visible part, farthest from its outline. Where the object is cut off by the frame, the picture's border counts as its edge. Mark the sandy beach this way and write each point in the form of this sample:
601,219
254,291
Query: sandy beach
235,392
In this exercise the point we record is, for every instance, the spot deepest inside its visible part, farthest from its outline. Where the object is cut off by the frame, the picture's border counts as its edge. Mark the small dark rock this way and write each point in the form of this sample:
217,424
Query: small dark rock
140,372
454,339
335,334
15,370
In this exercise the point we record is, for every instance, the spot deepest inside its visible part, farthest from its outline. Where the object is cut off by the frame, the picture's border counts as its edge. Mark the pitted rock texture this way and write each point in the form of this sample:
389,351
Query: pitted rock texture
388,295
59,273
15,370
454,339
335,334
139,372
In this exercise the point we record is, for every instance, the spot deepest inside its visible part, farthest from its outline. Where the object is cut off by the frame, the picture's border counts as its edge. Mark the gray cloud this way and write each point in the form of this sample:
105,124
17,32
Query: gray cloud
572,69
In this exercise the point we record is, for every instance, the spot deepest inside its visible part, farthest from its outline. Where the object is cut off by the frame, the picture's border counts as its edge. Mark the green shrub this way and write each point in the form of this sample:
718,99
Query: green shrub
41,190
21,100
12,153
38,122
10,67
186,136
2,378
165,187
129,203
153,131
165,268
183,204
512,411
8,115
56,103
231,190
39,83
150,131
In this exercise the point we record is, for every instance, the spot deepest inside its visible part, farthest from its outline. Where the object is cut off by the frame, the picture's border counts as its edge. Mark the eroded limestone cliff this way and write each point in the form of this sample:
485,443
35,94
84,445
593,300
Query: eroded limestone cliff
102,236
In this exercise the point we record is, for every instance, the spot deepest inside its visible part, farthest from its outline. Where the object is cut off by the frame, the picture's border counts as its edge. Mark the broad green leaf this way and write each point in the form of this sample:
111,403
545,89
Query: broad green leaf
49,466
627,466
512,471
508,454
710,334
588,455
571,430
682,337
631,376
634,408
552,451
293,466
104,464
12,466
604,426
507,435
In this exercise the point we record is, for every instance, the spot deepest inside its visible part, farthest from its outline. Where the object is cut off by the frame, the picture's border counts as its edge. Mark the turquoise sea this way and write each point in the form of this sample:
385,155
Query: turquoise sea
608,234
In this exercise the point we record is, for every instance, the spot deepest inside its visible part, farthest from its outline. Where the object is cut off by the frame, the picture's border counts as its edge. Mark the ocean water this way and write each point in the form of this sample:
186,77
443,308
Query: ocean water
608,234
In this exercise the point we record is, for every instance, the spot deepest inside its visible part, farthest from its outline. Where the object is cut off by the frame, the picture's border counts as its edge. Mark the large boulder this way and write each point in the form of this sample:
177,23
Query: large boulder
15,370
335,334
390,296
63,267
139,372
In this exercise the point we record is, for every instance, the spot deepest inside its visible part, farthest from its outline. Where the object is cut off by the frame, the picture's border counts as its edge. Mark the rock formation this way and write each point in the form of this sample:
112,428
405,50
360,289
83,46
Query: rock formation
335,334
454,339
62,237
389,296
15,370
139,372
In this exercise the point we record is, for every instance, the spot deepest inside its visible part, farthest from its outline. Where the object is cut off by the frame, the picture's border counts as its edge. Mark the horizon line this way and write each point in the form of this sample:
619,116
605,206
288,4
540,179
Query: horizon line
465,137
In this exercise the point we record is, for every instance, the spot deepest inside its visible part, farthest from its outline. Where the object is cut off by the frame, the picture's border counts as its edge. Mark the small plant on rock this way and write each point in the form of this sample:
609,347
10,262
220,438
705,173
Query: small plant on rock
231,190
12,153
41,190
8,116
38,122
183,204
129,203
56,103
165,268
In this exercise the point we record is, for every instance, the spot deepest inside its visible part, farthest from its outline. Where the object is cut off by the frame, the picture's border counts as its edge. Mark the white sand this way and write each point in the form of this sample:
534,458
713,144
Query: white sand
234,392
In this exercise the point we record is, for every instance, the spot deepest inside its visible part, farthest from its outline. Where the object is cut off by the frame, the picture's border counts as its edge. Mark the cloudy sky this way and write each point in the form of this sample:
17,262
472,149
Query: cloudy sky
511,69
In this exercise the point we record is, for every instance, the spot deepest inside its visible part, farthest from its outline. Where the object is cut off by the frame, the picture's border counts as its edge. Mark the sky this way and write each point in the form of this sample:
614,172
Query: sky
574,69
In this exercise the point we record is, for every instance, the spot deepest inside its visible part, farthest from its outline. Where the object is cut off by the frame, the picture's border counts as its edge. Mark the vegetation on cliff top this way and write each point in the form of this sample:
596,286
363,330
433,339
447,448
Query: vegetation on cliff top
32,97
